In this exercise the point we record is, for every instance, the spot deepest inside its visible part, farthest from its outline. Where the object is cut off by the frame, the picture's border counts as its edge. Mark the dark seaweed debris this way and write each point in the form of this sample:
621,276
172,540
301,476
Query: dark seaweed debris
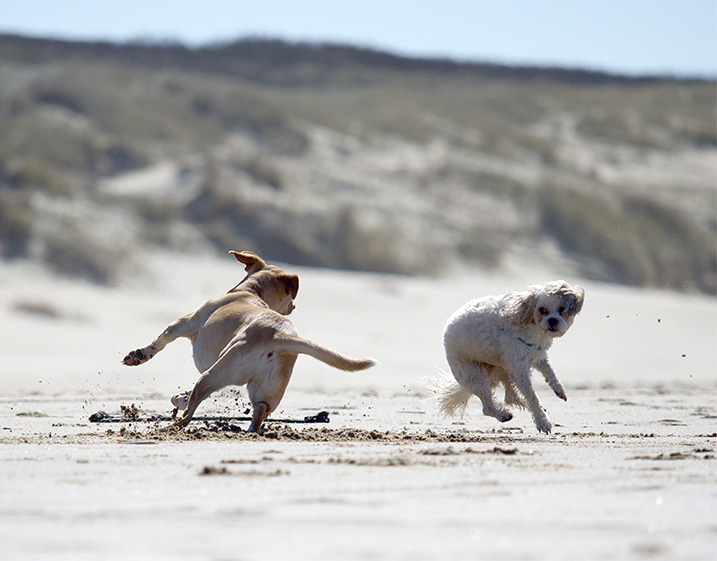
136,417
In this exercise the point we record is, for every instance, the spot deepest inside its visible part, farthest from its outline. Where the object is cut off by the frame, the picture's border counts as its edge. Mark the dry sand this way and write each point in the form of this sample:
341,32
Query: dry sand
628,473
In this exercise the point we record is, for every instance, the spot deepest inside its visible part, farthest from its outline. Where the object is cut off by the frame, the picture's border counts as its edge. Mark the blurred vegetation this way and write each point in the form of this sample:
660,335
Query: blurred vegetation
333,156
633,240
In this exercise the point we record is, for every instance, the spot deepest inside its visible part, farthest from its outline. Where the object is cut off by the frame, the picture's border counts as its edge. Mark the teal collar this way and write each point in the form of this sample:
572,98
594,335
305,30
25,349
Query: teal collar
537,347
531,345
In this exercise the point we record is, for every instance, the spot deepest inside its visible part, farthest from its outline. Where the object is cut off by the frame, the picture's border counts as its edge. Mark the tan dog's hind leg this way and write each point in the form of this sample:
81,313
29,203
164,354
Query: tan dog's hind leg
202,389
261,412
266,392
266,379
225,371
182,327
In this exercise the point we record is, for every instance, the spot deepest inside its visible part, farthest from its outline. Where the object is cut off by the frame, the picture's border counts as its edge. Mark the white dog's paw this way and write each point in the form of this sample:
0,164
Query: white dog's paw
560,392
543,425
503,415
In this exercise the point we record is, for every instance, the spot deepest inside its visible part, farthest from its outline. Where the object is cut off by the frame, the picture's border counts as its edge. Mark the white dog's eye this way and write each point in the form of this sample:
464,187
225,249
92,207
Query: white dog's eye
543,311
561,309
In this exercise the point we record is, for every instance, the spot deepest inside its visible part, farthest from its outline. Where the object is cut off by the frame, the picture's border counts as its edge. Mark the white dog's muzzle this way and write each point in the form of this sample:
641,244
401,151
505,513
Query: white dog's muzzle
554,326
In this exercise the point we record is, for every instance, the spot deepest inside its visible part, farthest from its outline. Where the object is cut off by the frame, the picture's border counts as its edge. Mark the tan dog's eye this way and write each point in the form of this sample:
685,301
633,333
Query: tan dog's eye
543,311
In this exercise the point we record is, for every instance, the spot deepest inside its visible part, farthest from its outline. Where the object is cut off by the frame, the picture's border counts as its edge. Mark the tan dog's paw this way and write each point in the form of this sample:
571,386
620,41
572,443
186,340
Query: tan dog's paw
176,426
135,358
180,423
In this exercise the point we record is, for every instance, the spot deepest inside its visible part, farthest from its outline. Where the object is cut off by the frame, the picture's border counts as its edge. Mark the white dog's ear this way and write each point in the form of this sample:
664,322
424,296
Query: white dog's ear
578,298
523,307
252,261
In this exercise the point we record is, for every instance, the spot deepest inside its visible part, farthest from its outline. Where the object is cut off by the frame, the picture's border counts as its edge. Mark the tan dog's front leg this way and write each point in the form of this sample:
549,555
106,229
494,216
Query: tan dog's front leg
183,327
551,378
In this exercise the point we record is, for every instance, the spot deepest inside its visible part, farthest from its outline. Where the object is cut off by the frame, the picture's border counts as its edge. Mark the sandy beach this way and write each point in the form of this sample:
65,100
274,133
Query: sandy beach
628,472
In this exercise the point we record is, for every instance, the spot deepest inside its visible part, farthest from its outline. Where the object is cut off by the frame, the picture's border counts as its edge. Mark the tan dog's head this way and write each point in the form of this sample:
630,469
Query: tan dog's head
552,307
277,288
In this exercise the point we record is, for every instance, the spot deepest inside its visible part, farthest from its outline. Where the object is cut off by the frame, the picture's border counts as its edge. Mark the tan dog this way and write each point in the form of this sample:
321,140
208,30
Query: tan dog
242,337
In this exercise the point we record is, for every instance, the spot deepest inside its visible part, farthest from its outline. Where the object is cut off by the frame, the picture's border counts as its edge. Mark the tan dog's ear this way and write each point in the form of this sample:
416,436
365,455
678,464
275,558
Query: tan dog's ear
252,261
292,284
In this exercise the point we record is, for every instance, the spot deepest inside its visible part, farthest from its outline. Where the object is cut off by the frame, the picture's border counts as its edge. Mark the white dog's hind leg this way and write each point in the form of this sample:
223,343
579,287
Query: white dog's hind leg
182,327
511,396
551,378
475,378
452,398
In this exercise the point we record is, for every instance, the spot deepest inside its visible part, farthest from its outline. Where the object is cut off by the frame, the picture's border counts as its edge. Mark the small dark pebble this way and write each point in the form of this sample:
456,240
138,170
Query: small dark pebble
321,417
209,470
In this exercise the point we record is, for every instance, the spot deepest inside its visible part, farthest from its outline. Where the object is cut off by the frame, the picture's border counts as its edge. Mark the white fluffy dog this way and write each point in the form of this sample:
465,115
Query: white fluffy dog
498,340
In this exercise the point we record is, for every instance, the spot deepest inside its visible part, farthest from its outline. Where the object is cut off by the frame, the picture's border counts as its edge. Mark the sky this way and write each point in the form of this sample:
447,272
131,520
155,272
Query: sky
674,37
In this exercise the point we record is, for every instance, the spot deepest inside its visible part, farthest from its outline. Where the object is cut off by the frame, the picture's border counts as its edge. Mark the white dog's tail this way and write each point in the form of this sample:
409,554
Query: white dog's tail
296,345
452,397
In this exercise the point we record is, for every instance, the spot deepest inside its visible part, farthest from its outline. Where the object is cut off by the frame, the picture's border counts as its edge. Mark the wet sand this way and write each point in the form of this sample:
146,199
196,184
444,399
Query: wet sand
628,473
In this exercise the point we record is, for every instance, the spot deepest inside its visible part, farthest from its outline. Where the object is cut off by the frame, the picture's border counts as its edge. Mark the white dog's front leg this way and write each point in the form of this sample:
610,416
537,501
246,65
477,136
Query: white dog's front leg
521,379
551,378
182,327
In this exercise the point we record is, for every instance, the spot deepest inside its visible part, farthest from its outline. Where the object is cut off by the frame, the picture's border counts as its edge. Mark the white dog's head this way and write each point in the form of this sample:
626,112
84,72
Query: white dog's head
552,307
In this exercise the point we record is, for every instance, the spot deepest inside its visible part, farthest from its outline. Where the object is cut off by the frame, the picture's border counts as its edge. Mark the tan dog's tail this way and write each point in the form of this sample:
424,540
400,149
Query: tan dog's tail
452,397
297,345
